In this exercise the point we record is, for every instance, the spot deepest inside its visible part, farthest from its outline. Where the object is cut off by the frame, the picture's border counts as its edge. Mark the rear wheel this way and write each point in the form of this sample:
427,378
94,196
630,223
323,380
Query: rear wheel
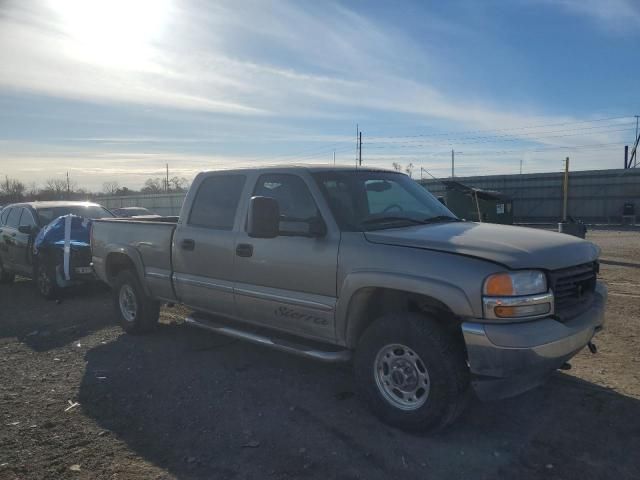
137,313
45,278
411,372
6,277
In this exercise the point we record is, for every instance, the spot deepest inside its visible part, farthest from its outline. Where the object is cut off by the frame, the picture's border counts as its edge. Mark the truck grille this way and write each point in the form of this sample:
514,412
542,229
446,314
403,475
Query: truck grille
573,289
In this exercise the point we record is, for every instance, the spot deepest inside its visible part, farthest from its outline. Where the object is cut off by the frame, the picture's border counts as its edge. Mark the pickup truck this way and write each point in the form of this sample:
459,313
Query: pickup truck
338,264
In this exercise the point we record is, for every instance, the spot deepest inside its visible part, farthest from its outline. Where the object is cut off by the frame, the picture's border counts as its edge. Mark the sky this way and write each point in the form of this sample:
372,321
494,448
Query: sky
114,90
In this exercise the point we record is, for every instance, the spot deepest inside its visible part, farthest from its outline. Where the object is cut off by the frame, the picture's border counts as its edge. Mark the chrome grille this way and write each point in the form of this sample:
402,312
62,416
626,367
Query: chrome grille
573,289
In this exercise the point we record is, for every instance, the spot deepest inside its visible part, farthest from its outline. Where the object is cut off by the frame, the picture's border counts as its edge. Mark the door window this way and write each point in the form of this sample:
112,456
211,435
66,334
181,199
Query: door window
292,194
216,202
14,217
26,220
4,216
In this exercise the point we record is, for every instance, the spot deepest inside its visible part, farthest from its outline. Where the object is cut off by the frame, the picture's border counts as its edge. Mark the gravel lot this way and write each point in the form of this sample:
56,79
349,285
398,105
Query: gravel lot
79,399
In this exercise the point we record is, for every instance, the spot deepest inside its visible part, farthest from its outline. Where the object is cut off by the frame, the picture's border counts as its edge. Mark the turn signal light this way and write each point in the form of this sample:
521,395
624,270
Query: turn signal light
499,285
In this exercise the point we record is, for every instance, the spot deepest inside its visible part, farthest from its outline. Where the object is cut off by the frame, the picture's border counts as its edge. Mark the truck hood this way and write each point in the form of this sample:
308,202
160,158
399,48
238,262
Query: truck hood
514,247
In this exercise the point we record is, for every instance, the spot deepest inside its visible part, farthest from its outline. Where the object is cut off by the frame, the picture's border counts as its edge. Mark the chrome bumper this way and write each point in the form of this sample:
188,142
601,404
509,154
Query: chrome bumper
508,359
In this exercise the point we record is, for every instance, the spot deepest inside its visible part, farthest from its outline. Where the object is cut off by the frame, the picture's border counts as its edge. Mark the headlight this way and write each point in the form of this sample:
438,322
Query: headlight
522,294
524,282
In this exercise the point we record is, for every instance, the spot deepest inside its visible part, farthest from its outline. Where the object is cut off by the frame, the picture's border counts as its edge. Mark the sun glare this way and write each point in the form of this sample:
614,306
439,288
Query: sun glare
113,33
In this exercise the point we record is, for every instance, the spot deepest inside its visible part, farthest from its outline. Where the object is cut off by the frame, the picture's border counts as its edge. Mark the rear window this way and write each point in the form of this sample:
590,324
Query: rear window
47,214
216,202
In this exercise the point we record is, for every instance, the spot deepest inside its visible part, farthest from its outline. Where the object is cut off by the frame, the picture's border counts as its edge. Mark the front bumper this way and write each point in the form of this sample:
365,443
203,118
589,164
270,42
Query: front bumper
508,359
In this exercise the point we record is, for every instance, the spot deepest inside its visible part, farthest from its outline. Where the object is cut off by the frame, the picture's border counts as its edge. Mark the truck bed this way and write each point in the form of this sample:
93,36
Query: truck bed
147,241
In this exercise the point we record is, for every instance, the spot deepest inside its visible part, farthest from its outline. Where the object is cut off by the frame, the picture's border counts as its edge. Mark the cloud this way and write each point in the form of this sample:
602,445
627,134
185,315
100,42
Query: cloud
612,15
285,71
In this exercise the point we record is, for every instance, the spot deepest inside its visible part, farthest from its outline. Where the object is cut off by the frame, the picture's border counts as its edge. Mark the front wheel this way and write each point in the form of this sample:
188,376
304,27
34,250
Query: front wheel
137,313
411,372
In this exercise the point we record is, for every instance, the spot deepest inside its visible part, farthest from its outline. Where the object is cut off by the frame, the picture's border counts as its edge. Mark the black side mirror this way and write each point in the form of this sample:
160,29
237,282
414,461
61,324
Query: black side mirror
264,218
26,229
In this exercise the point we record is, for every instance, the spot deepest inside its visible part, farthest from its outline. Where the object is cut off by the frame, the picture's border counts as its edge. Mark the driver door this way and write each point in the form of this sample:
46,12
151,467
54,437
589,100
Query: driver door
288,282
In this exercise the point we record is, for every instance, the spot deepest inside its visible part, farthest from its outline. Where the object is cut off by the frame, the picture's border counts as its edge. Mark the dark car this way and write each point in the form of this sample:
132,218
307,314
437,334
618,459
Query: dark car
129,212
20,223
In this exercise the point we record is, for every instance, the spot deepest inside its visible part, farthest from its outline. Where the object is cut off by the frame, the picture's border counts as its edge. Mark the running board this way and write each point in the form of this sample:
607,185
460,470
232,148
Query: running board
281,344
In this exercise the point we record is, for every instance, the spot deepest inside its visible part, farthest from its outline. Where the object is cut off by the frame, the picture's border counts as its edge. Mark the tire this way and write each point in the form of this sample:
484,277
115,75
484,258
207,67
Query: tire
411,372
44,276
137,313
6,277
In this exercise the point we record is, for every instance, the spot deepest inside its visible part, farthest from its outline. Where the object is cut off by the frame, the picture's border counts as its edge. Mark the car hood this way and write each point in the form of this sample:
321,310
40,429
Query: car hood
514,247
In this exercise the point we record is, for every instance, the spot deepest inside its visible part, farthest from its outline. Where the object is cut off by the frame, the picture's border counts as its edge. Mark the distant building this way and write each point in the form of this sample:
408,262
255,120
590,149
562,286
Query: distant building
476,204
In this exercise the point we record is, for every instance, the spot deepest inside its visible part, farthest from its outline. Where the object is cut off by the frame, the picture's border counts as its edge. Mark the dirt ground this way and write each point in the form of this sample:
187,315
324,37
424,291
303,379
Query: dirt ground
79,399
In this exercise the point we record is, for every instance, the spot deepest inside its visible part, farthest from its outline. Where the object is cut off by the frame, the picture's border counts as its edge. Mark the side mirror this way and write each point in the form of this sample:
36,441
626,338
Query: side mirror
26,229
264,217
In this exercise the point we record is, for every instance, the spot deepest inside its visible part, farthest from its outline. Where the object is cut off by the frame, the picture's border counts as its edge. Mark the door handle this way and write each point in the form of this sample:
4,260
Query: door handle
188,244
244,250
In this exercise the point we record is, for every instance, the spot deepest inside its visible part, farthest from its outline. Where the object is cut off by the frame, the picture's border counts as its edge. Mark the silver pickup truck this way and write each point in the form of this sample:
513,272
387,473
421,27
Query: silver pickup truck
363,264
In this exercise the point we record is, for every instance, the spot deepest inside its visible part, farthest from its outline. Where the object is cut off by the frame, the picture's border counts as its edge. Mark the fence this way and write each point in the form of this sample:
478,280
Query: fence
166,204
595,196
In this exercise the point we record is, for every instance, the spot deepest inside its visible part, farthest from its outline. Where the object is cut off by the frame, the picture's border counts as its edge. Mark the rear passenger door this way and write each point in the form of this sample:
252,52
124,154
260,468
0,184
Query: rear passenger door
204,242
289,282
23,243
9,234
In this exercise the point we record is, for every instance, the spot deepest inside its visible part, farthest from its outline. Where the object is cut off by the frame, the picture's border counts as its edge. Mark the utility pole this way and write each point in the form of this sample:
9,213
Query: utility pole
520,166
68,187
566,190
453,160
357,146
359,149
334,157
166,188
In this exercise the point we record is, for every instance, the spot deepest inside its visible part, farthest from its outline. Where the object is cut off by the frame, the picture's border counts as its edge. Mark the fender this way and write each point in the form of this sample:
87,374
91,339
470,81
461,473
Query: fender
132,254
447,293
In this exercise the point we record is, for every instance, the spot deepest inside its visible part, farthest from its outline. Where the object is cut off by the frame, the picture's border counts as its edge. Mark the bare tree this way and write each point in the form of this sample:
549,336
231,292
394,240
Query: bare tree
12,190
58,188
409,170
397,167
32,190
111,187
178,184
153,185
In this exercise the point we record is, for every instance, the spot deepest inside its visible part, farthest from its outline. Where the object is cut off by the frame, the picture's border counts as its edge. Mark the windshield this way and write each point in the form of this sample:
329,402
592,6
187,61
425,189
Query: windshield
369,200
45,215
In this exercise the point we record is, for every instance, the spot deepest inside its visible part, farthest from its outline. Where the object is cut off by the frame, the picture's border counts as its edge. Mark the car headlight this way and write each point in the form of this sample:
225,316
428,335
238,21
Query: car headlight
521,294
512,284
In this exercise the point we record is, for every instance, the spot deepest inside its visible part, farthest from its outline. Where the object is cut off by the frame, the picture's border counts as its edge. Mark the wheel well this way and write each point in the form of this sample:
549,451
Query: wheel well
116,263
370,303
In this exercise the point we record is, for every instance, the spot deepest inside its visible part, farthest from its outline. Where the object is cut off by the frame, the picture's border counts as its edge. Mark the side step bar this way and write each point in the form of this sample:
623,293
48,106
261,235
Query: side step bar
283,345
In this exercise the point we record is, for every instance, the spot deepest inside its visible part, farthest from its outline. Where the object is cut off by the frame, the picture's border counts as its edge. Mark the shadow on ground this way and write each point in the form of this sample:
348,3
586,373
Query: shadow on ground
48,324
204,406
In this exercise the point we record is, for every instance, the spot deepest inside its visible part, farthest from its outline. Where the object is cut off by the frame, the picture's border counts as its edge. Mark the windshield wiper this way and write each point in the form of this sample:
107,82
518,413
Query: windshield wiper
392,220
441,218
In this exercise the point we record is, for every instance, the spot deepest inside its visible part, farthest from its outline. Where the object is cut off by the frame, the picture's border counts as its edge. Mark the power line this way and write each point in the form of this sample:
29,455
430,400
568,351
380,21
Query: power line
507,129
539,140
519,136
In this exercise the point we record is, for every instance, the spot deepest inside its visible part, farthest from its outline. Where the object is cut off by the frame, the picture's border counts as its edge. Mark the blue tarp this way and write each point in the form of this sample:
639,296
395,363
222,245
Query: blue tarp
53,233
